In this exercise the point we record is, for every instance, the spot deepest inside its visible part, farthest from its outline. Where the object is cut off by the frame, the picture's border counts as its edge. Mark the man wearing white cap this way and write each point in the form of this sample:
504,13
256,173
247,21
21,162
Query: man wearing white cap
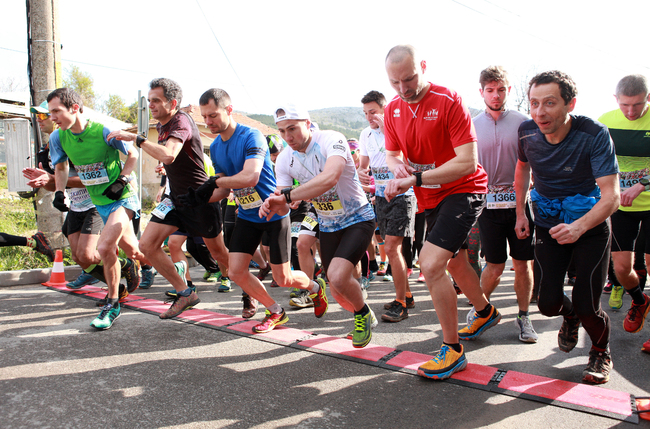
242,163
321,162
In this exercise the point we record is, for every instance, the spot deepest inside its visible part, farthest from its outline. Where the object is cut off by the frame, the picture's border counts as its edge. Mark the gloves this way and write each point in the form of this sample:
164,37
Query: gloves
115,190
59,201
201,195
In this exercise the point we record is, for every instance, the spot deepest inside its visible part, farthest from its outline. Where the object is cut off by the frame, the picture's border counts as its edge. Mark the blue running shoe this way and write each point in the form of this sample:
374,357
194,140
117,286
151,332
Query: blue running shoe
81,281
147,276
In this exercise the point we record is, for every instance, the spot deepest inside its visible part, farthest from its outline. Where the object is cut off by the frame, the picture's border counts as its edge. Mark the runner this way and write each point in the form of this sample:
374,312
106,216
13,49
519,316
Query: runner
321,162
576,190
242,163
432,129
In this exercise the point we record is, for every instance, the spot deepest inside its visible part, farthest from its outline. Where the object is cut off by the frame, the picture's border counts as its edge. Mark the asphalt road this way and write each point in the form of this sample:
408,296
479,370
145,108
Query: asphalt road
56,371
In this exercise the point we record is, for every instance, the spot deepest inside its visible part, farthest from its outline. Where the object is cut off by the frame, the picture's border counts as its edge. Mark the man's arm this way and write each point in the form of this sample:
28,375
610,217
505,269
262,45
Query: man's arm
322,182
131,161
609,202
166,153
247,178
522,184
399,169
60,176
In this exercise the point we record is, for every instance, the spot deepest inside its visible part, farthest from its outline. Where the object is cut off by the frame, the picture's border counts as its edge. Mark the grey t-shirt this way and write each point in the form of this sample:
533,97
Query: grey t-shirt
497,143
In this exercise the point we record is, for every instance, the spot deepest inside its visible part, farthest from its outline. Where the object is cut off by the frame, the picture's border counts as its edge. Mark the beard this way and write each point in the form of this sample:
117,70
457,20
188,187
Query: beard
502,107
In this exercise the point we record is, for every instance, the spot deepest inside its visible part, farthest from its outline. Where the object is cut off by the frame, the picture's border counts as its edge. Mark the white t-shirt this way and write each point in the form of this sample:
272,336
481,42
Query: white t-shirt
343,205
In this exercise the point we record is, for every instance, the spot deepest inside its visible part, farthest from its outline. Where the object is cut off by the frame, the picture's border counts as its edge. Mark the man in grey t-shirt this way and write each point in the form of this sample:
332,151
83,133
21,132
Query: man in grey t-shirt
497,138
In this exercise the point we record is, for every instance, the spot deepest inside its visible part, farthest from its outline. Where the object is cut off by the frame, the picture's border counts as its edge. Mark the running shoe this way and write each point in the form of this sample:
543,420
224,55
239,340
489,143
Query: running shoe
131,272
636,316
362,329
271,320
365,283
43,246
444,364
302,301
172,293
599,366
417,264
320,299
253,264
382,269
373,325
181,269
410,303
646,347
479,325
263,272
421,278
146,277
318,270
409,272
608,288
81,281
616,298
180,304
212,277
388,278
527,333
250,306
225,285
371,276
122,293
274,283
396,313
106,317
294,292
567,338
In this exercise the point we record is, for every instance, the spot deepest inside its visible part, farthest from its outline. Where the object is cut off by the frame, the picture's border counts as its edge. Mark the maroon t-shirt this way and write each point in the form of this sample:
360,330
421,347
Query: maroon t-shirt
188,169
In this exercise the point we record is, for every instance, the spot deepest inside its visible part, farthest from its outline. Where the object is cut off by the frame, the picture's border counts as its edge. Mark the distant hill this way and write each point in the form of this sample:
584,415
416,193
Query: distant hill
349,121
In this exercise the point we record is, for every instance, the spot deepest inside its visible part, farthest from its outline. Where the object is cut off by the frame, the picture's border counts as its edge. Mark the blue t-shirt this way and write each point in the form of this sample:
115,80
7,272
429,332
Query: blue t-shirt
228,158
570,167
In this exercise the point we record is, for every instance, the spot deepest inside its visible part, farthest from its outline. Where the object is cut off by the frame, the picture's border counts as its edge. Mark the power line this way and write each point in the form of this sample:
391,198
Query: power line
225,55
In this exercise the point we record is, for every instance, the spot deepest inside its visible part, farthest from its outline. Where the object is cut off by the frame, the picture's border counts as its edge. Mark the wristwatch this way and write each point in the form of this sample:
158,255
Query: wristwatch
418,178
139,140
287,194
646,183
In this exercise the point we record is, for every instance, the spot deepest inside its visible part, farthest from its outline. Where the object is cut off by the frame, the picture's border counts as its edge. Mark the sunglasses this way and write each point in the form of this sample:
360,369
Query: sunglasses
42,116
353,151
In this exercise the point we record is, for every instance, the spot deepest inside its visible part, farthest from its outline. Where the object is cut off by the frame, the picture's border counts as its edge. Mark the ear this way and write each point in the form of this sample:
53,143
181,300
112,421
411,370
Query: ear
229,109
174,104
75,108
509,88
423,64
480,91
572,104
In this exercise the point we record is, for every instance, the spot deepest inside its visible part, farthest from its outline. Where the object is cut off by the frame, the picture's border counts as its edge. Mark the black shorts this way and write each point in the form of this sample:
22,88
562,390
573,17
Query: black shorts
350,243
246,236
202,221
625,230
449,224
88,222
397,217
497,229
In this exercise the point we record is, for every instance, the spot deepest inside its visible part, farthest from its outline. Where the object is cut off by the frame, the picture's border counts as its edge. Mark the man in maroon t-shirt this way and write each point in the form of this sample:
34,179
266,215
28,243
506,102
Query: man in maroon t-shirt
430,127
180,149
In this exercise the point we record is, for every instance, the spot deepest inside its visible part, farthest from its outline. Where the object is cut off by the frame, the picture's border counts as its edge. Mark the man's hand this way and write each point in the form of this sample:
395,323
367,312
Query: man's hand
522,228
121,135
402,171
364,177
116,189
59,201
37,177
201,195
629,195
396,187
378,120
275,203
566,233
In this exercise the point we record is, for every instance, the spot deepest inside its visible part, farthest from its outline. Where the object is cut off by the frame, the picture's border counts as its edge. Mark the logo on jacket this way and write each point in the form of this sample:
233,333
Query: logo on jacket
396,113
431,115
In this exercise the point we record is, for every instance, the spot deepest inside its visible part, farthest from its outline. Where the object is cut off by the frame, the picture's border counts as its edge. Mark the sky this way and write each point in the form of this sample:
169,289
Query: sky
329,54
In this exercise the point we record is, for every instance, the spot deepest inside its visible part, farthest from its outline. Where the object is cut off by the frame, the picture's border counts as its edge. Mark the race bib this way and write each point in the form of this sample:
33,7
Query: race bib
382,175
295,229
422,168
628,179
92,174
79,196
309,222
248,198
501,197
163,208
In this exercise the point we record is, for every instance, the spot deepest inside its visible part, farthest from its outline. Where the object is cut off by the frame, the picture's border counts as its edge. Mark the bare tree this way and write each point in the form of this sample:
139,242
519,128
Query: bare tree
521,90
13,84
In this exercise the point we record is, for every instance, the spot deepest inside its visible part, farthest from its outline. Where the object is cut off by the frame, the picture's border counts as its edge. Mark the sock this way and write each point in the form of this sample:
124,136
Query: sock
373,265
364,310
186,292
523,313
402,302
409,295
30,242
275,308
315,287
115,302
637,295
146,267
456,347
189,283
485,312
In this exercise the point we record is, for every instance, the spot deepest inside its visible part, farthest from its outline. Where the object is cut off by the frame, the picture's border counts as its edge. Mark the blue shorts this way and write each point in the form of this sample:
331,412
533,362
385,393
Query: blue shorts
131,203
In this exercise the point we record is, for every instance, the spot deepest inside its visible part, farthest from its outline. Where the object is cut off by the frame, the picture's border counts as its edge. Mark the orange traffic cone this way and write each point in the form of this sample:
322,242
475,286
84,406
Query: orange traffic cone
643,407
57,278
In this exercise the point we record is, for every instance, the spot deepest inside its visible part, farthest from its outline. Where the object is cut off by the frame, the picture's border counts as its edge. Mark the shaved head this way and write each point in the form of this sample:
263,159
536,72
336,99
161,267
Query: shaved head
401,52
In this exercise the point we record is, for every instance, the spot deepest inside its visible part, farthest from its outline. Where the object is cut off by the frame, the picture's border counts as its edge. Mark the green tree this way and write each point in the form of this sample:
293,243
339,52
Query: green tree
82,83
117,108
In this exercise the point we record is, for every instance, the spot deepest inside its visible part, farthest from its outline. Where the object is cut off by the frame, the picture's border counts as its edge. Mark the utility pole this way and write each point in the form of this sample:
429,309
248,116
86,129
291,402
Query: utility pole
45,75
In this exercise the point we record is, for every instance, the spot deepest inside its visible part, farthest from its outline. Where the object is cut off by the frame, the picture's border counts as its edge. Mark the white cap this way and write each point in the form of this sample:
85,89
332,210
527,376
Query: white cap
291,112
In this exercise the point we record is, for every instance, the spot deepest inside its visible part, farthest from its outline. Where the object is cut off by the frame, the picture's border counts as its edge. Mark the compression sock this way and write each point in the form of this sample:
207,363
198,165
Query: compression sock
523,313
637,295
364,310
456,346
485,312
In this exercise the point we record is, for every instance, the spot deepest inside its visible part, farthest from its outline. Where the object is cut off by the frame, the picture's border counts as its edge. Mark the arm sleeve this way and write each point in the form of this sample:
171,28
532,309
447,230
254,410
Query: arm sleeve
603,157
120,145
282,175
336,145
57,154
459,123
363,143
256,146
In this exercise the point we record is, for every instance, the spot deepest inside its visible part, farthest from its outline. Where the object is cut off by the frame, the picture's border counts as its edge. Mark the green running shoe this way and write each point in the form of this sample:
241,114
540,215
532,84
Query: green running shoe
106,317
